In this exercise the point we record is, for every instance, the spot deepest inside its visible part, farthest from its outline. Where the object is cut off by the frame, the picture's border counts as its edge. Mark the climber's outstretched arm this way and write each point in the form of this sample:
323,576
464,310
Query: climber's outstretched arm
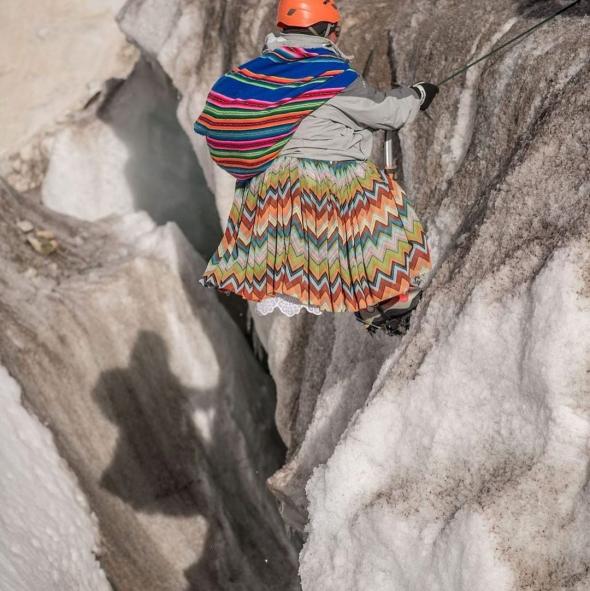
376,109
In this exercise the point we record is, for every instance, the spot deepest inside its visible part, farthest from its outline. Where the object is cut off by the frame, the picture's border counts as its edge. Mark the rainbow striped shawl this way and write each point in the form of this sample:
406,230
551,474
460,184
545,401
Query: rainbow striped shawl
253,111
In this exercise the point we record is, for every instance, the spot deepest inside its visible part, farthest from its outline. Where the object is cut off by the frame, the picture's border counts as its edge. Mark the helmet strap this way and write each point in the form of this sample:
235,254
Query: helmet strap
330,27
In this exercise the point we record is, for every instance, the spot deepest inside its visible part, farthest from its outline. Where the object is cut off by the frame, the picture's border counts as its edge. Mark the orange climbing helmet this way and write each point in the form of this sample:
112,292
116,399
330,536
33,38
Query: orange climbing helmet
306,13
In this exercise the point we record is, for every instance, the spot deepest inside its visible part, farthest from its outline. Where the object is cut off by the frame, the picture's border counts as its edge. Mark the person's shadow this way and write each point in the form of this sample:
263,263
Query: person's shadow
160,464
163,464
155,466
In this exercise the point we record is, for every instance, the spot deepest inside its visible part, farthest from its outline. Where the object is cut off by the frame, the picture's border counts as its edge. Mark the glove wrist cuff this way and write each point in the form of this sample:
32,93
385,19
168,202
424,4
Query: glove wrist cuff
421,92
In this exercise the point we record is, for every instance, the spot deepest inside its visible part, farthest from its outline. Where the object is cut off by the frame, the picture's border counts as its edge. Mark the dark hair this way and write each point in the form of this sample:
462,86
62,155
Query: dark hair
318,29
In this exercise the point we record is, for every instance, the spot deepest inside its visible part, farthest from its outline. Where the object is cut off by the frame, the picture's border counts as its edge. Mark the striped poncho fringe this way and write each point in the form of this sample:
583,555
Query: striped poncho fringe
253,111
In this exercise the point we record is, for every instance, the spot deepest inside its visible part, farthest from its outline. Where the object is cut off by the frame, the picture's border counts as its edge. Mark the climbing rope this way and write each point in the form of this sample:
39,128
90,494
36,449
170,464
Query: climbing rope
524,34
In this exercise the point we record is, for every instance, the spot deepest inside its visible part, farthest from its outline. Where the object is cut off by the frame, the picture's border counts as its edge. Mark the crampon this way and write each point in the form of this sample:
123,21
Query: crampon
392,316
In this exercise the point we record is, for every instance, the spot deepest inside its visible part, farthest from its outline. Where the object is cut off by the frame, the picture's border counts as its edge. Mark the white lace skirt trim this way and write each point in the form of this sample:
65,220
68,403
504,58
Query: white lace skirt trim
285,305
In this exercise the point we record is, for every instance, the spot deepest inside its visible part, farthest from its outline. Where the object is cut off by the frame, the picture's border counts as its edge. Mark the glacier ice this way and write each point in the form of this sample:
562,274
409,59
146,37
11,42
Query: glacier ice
445,476
53,59
48,538
154,397
126,153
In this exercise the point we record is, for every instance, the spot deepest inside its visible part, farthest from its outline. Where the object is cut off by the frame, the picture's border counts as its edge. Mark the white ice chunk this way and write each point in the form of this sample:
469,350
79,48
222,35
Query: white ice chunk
47,535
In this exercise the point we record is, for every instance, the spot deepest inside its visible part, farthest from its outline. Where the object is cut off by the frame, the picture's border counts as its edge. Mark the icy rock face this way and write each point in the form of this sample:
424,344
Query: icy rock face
154,398
466,469
454,458
127,152
48,539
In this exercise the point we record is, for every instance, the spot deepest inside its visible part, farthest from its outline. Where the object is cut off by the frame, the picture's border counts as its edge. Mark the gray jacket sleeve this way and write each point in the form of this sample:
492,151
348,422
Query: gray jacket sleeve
376,109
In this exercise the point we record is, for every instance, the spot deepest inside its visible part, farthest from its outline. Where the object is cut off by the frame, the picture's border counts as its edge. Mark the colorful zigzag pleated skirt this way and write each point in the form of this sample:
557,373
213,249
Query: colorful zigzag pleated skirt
338,236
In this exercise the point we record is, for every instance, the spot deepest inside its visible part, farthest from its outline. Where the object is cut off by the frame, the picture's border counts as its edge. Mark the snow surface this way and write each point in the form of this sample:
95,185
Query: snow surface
48,539
53,57
439,476
86,176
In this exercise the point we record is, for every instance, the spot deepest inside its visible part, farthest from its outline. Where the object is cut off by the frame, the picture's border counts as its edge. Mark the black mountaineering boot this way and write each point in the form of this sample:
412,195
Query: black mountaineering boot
393,315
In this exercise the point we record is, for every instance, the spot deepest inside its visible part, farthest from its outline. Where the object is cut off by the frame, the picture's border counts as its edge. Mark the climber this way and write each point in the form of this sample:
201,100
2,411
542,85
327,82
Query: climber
314,223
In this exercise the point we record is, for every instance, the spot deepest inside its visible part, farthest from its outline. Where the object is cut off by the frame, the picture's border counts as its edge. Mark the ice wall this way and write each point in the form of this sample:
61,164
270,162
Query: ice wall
443,479
127,152
48,539
154,398
152,393
467,466
454,458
